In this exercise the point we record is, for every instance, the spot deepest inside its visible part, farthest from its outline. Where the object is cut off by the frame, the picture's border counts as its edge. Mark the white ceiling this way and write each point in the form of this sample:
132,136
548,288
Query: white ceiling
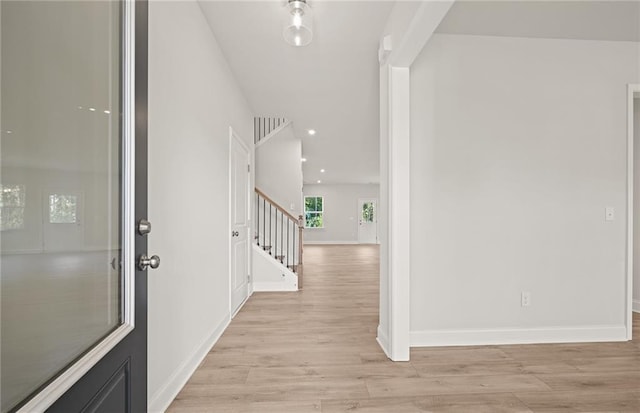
582,19
330,85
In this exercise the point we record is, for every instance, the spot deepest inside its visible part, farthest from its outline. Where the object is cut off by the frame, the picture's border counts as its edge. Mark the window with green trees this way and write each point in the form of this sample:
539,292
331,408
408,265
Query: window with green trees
63,209
313,212
12,207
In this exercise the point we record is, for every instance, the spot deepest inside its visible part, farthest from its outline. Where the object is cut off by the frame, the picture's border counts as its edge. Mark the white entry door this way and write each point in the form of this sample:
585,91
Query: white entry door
239,221
367,221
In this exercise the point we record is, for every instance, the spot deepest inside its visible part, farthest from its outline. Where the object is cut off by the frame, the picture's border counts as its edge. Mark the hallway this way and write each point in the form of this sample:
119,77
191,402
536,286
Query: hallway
315,351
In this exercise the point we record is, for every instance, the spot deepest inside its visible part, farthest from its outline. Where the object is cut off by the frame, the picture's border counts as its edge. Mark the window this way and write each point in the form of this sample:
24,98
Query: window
367,212
313,212
12,207
63,209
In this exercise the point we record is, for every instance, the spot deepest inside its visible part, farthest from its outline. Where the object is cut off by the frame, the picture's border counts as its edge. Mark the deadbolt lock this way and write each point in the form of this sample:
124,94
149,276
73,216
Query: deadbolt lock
144,227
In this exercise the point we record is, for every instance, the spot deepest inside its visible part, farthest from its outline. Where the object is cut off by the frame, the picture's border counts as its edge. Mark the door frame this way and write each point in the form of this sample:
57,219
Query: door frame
134,30
234,136
633,92
409,28
375,215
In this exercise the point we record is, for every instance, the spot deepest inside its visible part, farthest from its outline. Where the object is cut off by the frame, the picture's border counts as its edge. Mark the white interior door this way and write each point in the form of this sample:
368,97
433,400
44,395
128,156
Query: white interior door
368,221
239,221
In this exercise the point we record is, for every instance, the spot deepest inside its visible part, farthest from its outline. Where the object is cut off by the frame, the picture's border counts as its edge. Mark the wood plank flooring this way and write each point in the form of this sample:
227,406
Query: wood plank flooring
315,351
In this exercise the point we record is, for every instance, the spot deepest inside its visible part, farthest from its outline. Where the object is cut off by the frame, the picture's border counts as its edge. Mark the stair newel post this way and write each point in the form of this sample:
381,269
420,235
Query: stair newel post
300,266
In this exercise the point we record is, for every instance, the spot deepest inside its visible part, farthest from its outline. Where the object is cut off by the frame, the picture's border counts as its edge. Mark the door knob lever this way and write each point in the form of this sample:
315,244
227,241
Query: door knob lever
144,262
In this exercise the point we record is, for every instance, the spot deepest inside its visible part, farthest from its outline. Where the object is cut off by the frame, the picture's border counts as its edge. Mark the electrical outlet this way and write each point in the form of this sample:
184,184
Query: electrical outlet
609,214
525,299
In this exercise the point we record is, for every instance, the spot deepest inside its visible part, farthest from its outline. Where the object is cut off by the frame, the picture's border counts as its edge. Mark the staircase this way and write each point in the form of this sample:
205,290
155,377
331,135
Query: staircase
265,126
279,234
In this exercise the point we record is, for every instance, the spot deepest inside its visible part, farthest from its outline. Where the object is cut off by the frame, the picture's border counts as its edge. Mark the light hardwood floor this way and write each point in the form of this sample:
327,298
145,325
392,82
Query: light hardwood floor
315,351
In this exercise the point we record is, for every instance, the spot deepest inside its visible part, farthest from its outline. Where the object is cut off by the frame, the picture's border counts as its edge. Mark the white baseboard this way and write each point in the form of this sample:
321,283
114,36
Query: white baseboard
162,398
274,286
435,338
383,341
330,242
636,306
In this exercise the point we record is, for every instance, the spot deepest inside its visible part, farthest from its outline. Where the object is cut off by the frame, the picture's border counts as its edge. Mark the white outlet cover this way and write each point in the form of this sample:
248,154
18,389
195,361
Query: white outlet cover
609,213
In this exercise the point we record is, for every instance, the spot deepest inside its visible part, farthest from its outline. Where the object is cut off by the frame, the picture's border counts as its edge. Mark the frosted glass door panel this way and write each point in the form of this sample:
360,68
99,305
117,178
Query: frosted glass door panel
60,180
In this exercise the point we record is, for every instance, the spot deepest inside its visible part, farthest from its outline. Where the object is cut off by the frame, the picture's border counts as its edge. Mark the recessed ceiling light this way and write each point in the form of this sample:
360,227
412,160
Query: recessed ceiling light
107,112
303,160
322,170
9,132
319,181
311,132
92,109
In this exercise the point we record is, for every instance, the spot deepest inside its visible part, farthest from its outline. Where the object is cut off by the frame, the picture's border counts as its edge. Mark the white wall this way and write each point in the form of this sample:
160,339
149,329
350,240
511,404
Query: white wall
279,171
193,99
518,145
340,212
636,205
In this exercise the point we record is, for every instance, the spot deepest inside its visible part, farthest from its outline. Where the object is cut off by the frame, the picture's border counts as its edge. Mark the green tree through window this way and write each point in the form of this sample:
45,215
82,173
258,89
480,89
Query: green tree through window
12,207
63,209
313,212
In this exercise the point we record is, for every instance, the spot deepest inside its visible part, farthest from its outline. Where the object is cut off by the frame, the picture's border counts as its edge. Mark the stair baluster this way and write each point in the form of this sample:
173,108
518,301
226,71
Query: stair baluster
287,251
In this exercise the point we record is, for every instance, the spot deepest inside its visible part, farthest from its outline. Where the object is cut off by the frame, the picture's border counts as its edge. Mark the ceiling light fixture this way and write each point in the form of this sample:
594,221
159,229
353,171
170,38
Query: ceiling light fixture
298,26
303,160
321,170
319,181
311,132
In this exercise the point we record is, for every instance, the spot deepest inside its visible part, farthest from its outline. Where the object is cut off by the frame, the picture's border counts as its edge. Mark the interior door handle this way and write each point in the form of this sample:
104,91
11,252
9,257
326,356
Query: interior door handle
144,262
235,233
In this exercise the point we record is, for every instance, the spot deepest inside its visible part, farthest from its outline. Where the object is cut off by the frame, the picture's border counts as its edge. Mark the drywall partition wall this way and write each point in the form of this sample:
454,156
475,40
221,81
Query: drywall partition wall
279,170
517,147
193,99
636,205
340,212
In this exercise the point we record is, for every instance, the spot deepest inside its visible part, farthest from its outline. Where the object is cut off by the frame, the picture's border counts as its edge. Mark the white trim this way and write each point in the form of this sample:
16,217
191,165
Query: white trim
395,151
631,90
636,306
484,337
330,242
262,287
399,211
162,398
272,134
45,398
383,341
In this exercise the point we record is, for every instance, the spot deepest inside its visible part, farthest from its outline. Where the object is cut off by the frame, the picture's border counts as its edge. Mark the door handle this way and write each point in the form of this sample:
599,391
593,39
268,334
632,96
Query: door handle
144,262
235,233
